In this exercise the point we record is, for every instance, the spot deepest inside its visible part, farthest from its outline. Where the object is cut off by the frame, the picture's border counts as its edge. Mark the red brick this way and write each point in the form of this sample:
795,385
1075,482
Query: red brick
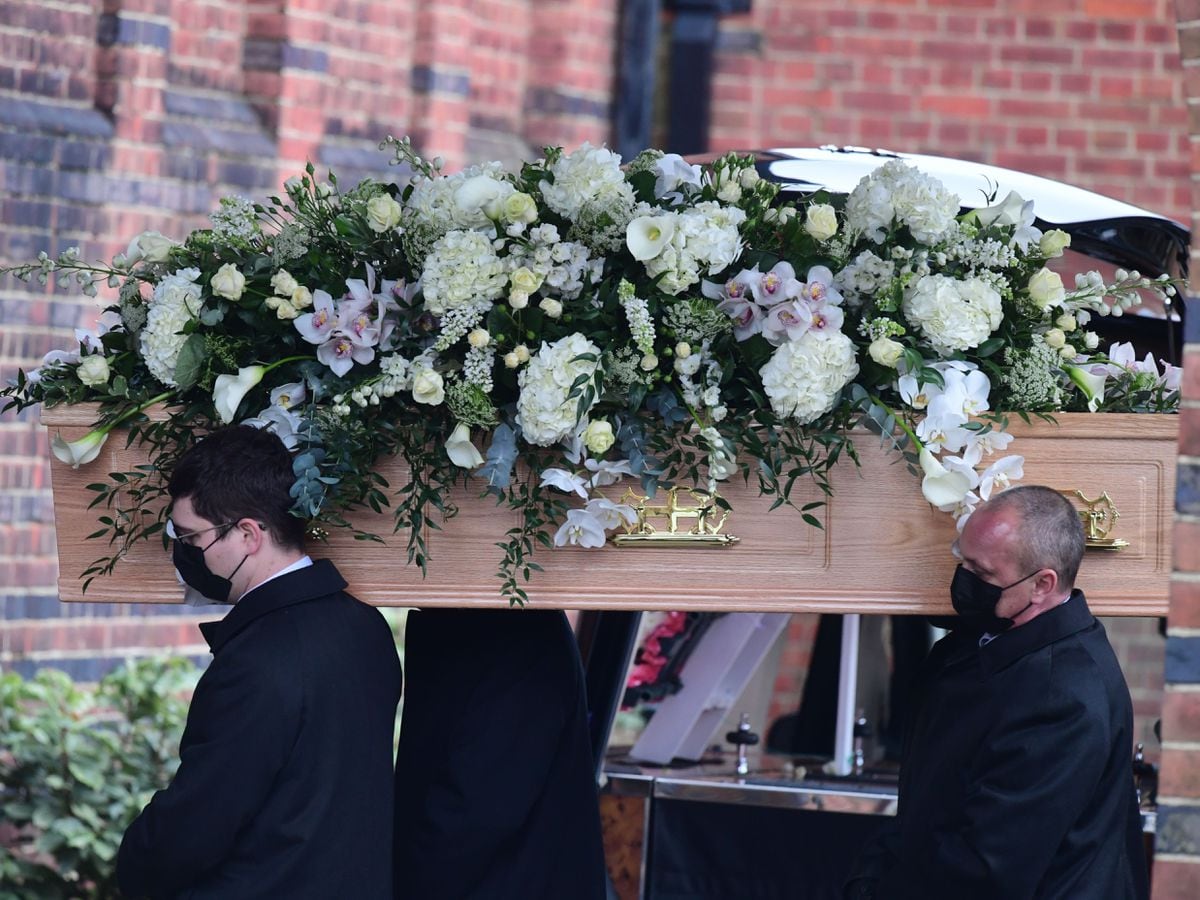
1175,879
1184,604
1181,716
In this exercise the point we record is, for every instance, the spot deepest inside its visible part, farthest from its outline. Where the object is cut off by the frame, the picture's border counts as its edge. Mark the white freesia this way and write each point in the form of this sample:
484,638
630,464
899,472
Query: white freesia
229,282
229,390
460,450
81,452
647,236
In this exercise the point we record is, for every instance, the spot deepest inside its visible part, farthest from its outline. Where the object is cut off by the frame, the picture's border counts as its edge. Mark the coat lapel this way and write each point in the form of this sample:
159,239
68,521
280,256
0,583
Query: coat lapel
1064,620
318,580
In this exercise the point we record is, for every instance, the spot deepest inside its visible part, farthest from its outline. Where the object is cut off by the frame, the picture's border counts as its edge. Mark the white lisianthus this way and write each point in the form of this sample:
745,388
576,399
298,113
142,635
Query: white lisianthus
462,269
886,352
427,387
598,437
284,283
820,221
647,236
1054,242
383,213
804,376
229,282
175,302
230,390
460,450
544,411
1046,288
954,315
93,370
78,453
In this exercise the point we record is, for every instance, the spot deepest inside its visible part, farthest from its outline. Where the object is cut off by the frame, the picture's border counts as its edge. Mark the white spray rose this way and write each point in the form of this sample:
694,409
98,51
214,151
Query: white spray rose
383,213
283,283
1054,242
93,370
1046,288
524,280
598,436
520,207
229,282
427,387
821,221
886,352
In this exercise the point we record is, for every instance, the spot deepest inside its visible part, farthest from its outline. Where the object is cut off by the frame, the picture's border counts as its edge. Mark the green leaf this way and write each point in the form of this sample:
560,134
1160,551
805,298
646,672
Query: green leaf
191,362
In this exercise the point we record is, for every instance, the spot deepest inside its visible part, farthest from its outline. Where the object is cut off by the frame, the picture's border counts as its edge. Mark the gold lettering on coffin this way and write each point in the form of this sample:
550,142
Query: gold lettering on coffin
665,524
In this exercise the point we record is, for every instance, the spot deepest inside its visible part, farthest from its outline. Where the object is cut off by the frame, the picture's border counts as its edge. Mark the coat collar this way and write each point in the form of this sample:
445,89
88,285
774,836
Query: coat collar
1062,621
318,580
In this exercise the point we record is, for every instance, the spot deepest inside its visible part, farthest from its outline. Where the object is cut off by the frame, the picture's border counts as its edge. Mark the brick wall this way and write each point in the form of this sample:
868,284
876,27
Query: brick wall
1177,862
122,115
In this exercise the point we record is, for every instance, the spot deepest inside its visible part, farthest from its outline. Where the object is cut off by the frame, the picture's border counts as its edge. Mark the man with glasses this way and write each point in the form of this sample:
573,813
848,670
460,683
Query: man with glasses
285,781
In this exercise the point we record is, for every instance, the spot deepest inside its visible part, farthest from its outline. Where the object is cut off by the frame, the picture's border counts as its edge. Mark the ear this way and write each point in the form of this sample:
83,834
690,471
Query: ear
1045,583
251,534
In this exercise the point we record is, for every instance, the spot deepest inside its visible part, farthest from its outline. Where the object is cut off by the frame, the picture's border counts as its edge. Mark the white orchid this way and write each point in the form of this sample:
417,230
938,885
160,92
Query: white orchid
582,527
984,443
606,472
1000,475
567,482
611,515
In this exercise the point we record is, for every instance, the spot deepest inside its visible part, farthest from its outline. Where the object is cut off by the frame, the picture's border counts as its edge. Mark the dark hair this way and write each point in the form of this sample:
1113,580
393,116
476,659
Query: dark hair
1050,527
241,472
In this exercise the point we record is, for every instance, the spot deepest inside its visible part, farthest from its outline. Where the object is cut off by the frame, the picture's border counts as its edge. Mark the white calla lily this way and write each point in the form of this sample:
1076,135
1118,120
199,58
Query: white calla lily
229,390
646,236
1090,383
81,452
942,486
460,449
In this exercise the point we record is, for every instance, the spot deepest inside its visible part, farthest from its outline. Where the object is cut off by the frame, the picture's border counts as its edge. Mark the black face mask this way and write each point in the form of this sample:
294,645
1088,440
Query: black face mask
192,568
975,600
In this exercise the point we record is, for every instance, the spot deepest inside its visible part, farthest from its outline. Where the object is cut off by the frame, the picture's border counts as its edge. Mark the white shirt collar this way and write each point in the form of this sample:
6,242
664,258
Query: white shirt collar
302,563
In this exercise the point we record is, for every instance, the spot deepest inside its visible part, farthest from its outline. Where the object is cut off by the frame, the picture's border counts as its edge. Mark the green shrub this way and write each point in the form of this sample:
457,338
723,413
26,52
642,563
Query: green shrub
77,764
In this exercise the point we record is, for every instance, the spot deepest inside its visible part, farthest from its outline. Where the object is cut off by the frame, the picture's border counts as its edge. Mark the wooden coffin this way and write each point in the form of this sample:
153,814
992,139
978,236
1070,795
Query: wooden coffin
883,548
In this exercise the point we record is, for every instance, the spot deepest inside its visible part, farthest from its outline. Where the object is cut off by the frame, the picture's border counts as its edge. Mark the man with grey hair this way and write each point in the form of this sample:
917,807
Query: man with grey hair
1016,778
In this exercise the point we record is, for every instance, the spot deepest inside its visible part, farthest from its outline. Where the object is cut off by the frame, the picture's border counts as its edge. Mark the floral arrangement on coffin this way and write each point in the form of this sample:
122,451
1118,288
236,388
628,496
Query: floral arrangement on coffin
657,322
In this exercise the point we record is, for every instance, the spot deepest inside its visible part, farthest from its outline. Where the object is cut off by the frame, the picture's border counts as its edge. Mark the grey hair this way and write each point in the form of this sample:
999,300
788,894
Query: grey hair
1050,528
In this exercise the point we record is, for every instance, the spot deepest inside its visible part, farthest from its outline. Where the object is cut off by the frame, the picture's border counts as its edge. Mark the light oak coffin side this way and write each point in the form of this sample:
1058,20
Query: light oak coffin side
883,550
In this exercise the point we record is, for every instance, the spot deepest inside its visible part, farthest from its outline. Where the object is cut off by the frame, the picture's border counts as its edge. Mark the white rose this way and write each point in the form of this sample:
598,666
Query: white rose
598,436
522,353
551,307
427,387
383,213
511,360
1046,288
93,370
479,338
821,221
1055,339
683,350
1066,322
283,283
1068,352
886,352
520,207
518,299
229,282
749,177
524,280
301,297
1091,340
649,362
154,247
1054,242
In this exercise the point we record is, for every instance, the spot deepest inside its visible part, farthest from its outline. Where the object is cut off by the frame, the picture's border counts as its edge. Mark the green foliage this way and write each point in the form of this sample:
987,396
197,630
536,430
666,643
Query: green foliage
77,764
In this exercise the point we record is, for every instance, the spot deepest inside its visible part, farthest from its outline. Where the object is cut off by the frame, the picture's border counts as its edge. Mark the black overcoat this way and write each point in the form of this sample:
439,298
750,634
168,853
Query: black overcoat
1017,780
495,787
285,780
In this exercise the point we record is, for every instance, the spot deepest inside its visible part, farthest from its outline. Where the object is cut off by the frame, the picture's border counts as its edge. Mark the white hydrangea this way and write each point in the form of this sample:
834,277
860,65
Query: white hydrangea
591,178
462,269
562,265
705,241
543,410
176,301
953,315
864,278
898,192
803,377
445,204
